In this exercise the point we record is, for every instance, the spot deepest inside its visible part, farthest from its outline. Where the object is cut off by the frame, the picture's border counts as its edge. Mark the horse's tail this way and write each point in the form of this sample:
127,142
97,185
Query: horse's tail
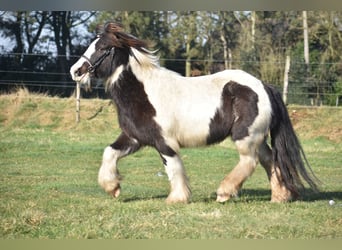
287,151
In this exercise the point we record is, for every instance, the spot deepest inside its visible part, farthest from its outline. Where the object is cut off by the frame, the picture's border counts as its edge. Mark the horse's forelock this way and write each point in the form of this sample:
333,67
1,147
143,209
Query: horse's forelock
113,27
120,38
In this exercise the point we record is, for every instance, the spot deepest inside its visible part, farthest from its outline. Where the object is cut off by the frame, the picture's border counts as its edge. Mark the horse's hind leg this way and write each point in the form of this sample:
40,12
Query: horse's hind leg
279,191
232,183
109,177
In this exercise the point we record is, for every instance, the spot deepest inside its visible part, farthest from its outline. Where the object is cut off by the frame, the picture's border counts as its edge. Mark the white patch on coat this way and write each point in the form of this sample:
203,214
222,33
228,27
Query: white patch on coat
114,77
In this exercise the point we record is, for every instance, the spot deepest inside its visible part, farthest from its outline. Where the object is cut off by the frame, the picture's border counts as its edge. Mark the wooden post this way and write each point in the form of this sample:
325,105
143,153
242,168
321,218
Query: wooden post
286,78
78,94
253,19
306,41
225,49
188,58
337,97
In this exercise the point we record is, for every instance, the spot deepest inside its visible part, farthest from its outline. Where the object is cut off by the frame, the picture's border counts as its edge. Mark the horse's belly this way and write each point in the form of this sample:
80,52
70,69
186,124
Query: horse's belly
189,131
192,135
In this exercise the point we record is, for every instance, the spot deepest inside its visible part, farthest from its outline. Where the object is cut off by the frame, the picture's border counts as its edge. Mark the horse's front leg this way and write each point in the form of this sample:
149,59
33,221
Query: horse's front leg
109,177
180,190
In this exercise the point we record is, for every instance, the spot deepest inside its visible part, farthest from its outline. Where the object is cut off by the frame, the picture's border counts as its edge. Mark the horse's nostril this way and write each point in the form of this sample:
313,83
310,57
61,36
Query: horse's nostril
78,72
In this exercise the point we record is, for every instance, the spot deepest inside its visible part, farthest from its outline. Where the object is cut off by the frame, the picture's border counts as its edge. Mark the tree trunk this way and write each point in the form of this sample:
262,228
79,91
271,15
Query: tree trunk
61,28
286,78
18,31
225,50
188,60
253,17
306,41
33,37
230,58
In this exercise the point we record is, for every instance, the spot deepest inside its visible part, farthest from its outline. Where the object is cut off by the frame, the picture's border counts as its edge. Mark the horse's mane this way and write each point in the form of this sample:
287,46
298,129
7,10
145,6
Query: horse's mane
114,33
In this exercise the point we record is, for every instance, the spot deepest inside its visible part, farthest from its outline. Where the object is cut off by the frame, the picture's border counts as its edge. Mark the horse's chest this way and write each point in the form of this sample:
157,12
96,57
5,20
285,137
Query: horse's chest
137,121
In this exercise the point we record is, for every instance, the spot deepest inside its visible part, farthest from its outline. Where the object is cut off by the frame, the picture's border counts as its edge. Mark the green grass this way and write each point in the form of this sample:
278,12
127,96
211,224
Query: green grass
48,185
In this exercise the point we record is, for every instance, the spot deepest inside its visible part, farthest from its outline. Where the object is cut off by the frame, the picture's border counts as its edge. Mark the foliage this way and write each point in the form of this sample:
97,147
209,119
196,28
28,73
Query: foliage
189,42
33,33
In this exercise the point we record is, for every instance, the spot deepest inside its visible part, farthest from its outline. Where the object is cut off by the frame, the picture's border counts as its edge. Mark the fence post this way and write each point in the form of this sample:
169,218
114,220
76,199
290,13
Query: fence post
337,97
78,94
286,78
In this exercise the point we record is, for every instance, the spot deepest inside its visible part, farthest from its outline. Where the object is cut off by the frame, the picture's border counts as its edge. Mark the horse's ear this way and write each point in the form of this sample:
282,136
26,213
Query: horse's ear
99,29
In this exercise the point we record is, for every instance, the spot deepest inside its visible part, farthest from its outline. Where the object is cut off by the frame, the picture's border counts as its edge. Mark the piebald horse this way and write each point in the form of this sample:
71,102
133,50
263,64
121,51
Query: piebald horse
159,108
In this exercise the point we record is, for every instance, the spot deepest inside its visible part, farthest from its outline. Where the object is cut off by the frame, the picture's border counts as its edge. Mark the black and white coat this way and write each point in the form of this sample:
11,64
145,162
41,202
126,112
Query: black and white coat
162,109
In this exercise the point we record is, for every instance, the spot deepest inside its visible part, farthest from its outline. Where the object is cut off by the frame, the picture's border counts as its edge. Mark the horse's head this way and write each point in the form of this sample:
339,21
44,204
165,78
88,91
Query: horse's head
105,54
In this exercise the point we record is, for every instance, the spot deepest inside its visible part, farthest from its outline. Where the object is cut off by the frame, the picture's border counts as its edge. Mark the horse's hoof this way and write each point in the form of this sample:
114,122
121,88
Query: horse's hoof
116,191
174,200
169,201
284,198
283,195
222,198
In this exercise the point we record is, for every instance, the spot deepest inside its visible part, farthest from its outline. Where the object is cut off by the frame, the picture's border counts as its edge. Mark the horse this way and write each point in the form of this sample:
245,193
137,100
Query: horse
162,109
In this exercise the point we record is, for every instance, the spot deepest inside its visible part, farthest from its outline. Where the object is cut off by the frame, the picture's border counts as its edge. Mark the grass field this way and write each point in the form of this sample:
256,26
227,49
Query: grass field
48,180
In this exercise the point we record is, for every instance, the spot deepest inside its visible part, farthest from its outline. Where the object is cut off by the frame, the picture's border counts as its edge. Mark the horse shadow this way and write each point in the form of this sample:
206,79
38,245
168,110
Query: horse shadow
324,195
136,198
247,195
307,195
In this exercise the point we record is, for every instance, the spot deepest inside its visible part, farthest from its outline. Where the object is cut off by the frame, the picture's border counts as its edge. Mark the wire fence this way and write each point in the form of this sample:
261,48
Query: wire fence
49,77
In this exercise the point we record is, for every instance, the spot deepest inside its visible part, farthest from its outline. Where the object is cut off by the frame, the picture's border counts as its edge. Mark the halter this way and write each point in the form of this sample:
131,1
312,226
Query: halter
92,67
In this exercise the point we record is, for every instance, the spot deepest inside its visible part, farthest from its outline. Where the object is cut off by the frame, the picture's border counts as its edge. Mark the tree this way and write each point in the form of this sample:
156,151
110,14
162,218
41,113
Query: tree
11,25
60,22
31,39
325,57
61,25
256,41
229,23
26,27
266,38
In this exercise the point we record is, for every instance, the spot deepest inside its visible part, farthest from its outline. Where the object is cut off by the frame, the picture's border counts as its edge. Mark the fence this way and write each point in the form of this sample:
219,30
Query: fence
48,77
